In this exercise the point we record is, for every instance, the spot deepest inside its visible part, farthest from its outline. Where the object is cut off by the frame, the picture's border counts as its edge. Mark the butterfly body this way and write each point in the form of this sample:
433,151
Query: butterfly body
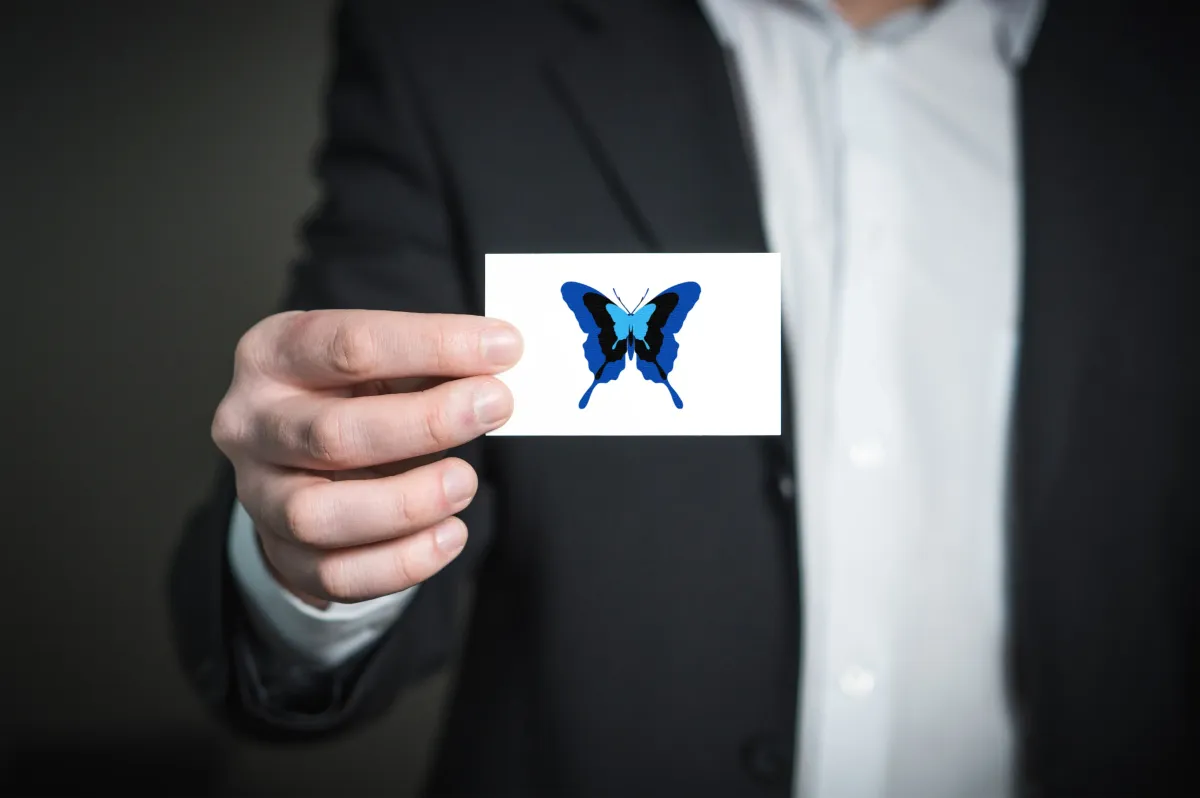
616,335
632,327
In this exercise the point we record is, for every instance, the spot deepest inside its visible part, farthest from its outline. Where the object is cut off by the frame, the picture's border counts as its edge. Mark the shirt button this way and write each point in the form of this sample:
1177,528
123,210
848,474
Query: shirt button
787,487
867,454
857,682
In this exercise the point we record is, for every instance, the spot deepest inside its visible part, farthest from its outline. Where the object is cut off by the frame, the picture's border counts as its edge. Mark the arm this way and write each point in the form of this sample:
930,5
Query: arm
382,238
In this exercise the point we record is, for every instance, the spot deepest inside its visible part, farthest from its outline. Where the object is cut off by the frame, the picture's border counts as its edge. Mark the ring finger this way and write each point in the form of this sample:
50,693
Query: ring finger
320,513
366,572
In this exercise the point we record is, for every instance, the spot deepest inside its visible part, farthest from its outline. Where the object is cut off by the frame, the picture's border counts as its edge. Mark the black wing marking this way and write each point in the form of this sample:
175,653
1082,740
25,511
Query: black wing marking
597,305
664,305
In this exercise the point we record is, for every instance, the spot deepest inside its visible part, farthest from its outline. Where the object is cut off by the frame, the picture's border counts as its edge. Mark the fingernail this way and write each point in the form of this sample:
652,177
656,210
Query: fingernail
491,403
459,484
451,537
501,345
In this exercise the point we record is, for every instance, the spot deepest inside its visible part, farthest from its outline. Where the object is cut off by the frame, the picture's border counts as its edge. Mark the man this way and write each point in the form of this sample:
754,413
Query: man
966,568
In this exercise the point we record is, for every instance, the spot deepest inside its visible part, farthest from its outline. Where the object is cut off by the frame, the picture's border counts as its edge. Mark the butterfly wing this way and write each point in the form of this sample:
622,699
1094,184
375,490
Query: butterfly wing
663,316
605,346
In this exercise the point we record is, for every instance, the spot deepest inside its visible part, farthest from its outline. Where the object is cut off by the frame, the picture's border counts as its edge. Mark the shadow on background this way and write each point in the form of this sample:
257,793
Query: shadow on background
155,166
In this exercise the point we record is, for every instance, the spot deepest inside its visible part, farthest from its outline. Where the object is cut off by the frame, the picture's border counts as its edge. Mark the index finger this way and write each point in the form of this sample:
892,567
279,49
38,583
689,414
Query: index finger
330,348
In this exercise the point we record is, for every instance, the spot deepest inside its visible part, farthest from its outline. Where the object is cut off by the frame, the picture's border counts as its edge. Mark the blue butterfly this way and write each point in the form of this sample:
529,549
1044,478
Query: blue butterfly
615,334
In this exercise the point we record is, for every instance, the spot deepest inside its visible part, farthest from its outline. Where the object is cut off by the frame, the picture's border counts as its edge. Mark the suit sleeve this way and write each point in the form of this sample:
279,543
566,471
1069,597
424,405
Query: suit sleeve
383,236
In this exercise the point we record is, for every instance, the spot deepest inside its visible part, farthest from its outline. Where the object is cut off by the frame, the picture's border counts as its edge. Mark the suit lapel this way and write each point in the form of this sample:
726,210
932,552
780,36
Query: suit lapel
1105,237
1085,221
647,87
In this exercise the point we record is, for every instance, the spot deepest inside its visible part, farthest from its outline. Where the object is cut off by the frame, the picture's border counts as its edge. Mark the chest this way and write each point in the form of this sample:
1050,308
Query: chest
1103,544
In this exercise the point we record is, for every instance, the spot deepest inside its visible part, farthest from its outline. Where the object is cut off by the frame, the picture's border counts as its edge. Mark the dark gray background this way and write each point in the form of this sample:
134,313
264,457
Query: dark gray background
155,167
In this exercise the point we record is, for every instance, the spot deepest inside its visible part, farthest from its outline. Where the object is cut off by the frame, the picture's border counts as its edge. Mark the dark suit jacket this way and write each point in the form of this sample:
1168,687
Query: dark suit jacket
653,649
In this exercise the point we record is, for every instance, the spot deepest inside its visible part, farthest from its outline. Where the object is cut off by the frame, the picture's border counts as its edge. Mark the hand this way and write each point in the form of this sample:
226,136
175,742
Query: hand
334,422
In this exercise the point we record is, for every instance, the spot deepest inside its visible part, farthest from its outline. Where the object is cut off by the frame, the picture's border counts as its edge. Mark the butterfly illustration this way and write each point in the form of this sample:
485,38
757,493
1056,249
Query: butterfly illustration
615,333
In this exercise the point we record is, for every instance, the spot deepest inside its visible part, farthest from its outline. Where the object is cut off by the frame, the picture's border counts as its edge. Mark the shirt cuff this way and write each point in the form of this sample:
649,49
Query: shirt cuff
327,637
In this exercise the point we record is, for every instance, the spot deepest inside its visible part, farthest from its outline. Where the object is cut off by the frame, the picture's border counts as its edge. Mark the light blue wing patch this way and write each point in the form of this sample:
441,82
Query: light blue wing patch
621,320
640,322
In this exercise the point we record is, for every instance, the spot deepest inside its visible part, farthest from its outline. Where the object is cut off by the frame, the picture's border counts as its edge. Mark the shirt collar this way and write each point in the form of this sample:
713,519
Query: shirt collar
1018,22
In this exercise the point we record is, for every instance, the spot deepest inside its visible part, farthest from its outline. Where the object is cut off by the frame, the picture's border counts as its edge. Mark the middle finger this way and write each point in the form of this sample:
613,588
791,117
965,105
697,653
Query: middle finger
329,433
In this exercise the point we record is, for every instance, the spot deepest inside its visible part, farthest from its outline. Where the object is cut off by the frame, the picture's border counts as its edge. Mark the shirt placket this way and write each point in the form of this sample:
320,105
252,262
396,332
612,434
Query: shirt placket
863,512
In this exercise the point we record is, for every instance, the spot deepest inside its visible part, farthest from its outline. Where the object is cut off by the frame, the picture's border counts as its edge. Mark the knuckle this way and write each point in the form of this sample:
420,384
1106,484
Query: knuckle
352,350
248,353
326,439
402,576
303,519
443,349
403,509
437,431
299,326
245,351
228,427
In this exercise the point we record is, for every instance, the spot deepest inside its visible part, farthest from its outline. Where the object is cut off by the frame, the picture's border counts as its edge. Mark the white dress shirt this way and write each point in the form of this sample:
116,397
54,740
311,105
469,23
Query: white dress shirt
888,173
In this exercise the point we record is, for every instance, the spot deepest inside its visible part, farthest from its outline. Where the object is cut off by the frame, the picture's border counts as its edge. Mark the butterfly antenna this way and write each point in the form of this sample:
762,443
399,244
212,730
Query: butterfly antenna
618,296
640,301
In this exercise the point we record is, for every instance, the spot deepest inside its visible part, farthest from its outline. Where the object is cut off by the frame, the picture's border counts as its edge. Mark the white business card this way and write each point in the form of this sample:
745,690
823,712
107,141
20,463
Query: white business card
641,344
